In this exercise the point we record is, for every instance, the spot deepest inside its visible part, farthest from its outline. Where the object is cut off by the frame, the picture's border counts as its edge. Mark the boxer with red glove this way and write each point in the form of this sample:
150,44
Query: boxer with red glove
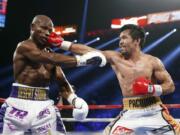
143,86
57,41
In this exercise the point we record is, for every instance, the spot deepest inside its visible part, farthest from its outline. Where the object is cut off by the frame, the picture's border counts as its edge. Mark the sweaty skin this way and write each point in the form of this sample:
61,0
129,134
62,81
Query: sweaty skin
131,63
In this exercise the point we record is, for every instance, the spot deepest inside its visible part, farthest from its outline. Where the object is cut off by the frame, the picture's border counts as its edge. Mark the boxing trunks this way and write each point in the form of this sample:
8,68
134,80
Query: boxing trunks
143,116
30,109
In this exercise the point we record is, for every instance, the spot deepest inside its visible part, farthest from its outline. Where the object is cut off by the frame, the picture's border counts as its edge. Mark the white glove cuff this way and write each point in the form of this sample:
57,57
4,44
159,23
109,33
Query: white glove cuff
104,61
65,45
158,90
71,97
79,61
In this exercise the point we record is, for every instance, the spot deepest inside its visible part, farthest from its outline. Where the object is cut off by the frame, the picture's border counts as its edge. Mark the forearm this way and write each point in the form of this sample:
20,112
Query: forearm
65,88
63,61
58,41
66,94
80,49
167,88
52,58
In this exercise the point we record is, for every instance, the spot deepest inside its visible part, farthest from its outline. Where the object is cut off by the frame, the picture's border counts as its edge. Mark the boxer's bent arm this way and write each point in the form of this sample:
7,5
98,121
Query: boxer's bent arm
80,110
163,77
65,89
37,55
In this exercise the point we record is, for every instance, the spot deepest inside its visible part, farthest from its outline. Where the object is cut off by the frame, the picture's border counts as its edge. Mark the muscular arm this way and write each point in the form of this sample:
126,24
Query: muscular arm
65,88
163,77
82,49
80,110
75,48
36,55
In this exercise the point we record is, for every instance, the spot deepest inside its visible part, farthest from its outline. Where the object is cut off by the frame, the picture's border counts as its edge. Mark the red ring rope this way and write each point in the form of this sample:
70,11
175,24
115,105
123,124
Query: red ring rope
102,106
99,107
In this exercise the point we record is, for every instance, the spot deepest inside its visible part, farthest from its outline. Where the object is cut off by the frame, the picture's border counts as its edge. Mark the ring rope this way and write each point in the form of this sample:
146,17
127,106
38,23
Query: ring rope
100,107
89,120
94,120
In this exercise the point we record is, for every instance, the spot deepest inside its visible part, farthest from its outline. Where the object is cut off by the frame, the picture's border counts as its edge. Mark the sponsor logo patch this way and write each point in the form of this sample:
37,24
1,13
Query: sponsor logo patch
119,130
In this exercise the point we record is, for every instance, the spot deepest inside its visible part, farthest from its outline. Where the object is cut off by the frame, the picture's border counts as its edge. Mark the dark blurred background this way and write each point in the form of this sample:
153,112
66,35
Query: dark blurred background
95,85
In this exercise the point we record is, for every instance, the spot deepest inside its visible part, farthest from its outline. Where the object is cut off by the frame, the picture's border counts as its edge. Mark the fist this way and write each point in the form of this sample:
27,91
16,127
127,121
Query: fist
80,111
91,58
142,86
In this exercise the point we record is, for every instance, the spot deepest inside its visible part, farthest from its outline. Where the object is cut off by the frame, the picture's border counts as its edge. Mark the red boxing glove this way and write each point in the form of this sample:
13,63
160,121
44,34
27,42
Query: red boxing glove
57,41
142,86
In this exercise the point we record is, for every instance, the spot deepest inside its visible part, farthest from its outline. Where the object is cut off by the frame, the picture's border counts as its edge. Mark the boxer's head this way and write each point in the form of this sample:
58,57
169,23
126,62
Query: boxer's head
41,27
131,38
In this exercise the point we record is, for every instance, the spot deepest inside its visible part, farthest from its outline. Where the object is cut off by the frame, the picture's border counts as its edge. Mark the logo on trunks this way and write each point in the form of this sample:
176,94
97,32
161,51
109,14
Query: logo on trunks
142,102
43,113
119,130
30,93
19,114
25,93
12,127
44,129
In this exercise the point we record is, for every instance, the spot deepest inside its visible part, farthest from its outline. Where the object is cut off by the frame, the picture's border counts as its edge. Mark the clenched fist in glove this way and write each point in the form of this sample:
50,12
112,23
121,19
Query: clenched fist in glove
142,86
91,58
81,109
57,41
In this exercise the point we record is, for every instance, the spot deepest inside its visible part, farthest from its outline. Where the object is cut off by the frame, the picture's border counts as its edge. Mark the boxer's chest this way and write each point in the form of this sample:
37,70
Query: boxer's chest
129,69
45,70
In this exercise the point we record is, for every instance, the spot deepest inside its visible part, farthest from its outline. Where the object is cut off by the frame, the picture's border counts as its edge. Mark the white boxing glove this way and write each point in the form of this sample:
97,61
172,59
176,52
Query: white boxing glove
91,58
81,109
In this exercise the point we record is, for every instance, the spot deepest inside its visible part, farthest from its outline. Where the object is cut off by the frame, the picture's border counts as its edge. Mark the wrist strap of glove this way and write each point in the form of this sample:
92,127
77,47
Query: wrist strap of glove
155,89
65,45
158,90
79,61
72,97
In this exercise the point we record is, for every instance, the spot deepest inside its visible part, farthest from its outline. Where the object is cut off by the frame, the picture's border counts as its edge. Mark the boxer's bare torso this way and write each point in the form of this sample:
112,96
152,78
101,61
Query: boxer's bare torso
128,70
29,72
131,63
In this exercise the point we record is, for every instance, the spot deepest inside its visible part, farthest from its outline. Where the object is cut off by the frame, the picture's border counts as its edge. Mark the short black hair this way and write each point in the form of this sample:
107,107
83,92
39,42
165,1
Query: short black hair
136,32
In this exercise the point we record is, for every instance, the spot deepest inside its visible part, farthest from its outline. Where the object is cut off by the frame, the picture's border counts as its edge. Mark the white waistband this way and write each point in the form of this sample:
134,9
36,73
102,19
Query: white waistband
22,85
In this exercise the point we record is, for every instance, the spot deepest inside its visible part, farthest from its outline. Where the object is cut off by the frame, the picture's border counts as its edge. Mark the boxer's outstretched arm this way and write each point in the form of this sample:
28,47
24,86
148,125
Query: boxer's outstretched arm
58,41
163,77
81,49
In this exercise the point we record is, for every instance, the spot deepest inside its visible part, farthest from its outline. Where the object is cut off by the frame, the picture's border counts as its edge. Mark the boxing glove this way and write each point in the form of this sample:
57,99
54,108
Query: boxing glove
81,109
142,86
91,58
57,41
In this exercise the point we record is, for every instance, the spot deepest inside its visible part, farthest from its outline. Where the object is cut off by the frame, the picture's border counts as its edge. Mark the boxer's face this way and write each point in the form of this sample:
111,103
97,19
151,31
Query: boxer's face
41,31
127,44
